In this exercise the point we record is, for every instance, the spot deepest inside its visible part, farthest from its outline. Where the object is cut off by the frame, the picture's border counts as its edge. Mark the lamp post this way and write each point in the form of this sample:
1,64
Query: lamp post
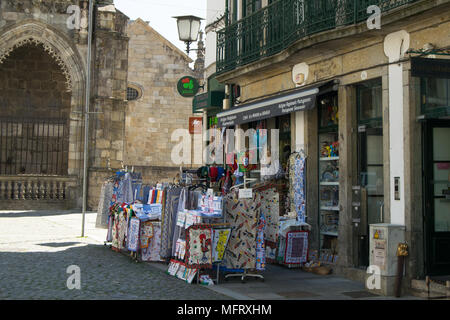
188,29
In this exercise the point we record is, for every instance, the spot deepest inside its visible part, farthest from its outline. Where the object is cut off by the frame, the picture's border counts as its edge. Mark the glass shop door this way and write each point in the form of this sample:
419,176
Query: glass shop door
437,196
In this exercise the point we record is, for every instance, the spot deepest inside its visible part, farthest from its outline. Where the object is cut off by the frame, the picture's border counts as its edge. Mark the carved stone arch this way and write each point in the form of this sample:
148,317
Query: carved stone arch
66,54
55,43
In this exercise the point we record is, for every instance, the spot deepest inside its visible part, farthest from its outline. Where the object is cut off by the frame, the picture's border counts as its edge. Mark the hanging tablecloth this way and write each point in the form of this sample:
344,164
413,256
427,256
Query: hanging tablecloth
297,187
243,215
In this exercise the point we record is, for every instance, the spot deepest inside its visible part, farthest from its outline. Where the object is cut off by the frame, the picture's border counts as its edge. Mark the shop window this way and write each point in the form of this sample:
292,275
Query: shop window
284,125
328,137
435,95
328,112
369,95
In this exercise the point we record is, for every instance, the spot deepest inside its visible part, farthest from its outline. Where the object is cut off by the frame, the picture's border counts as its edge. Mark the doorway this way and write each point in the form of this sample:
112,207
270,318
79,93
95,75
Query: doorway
436,159
370,171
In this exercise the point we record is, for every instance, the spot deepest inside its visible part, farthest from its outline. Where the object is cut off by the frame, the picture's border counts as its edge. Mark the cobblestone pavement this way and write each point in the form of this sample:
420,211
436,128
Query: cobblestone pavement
36,248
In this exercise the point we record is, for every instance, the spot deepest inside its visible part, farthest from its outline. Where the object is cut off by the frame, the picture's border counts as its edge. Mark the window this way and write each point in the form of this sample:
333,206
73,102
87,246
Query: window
250,6
133,92
435,94
369,95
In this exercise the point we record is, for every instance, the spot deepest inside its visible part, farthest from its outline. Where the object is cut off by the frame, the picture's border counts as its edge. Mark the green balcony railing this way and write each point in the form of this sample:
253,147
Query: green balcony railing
277,26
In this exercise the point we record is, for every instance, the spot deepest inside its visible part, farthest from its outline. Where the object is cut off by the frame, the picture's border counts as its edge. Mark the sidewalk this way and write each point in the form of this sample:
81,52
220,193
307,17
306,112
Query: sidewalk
279,282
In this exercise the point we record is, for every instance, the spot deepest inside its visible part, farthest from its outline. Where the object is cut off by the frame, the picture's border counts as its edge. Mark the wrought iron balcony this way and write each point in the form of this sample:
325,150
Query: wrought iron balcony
277,26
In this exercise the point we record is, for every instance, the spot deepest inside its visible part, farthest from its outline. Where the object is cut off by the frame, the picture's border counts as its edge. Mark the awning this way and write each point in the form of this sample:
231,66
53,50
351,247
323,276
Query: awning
295,100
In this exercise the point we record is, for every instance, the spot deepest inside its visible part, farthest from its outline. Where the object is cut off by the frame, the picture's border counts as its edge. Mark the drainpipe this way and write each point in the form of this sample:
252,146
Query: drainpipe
86,114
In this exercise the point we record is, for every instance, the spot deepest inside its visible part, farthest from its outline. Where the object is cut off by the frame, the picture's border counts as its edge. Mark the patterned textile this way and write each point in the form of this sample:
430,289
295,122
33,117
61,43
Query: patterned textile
122,231
296,247
104,204
178,231
199,247
152,252
146,234
168,221
271,210
297,188
243,214
260,248
220,242
110,227
125,189
133,234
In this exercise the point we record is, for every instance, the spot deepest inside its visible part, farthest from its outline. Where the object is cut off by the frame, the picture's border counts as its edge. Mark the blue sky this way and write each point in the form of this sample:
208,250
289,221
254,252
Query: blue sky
160,13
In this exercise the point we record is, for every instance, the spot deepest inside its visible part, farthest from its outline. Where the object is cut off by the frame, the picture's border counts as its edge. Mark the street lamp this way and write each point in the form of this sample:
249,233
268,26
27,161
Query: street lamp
188,28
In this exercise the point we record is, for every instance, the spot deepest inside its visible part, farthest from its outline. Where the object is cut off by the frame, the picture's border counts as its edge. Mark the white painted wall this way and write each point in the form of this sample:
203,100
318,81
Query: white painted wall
301,68
395,46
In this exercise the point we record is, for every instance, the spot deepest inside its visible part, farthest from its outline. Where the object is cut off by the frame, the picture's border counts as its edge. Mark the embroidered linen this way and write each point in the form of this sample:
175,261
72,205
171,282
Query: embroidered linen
152,252
133,234
198,247
243,214
296,247
146,233
106,194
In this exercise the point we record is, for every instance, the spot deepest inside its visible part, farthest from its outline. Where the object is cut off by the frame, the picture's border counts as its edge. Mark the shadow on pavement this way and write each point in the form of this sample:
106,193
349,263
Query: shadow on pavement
24,213
104,274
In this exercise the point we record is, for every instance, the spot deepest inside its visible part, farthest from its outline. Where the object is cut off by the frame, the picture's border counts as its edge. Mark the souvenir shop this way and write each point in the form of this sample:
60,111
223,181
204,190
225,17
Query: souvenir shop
204,227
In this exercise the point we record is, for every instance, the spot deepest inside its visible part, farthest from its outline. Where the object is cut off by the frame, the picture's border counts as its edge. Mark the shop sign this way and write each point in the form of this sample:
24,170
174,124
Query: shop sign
208,101
195,125
269,108
188,86
427,67
245,193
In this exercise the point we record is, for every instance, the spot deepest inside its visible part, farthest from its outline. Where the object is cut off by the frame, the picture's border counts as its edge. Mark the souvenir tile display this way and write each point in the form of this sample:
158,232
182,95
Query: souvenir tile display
199,246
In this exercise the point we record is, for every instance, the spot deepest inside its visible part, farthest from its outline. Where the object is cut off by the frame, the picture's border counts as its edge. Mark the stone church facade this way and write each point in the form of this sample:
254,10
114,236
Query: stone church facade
42,92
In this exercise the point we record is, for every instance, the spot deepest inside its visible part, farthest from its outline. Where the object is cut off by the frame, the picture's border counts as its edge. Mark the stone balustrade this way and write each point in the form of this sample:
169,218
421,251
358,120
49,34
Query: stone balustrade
23,187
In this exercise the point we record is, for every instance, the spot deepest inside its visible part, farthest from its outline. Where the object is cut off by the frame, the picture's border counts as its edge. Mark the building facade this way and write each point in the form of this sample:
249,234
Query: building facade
376,126
42,92
155,66
134,106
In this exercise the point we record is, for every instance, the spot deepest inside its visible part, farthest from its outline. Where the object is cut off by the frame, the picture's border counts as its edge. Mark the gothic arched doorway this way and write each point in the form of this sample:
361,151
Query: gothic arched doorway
35,106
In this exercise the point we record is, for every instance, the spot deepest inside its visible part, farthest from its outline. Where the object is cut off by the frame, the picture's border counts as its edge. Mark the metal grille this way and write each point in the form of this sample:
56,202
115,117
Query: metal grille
277,26
132,94
34,146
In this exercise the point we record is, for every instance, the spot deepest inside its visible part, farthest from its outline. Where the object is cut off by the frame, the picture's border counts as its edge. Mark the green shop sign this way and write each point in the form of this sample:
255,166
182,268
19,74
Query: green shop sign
187,86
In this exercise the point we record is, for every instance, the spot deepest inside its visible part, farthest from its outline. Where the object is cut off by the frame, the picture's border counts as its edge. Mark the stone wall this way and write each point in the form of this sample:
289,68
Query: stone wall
155,66
46,23
32,85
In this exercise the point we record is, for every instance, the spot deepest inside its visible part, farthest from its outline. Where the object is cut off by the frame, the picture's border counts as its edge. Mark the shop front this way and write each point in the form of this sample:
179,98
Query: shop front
433,76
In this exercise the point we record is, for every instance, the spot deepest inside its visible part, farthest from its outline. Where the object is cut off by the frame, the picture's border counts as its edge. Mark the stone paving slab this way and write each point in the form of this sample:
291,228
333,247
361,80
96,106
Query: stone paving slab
36,249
